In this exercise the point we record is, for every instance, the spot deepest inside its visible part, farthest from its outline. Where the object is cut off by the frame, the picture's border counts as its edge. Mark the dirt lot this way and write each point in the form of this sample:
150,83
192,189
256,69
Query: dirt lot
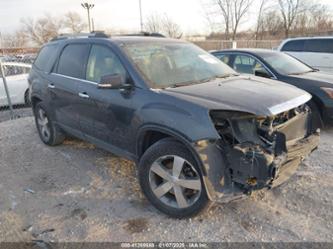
76,192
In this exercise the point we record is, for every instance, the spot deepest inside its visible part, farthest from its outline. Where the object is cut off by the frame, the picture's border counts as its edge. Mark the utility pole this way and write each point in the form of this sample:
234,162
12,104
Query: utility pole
88,7
1,44
141,21
92,24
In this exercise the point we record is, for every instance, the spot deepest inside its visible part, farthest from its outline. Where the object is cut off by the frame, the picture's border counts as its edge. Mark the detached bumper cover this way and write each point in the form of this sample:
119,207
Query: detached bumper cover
220,177
296,154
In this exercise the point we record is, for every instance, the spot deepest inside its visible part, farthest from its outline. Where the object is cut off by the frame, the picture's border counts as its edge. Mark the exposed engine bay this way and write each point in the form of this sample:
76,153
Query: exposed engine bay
258,149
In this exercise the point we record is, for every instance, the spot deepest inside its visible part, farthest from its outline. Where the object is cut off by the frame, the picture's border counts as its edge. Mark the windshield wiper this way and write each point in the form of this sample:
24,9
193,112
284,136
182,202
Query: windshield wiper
193,82
222,76
300,73
185,83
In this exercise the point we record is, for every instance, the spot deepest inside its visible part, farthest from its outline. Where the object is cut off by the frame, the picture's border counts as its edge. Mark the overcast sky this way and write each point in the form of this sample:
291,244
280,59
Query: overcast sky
116,14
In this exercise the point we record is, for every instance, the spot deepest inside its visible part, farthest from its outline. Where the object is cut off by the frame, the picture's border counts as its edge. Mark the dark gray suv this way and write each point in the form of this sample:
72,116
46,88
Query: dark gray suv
197,131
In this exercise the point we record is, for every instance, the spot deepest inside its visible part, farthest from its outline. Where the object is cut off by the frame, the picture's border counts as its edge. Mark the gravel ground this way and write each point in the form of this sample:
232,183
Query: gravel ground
76,192
19,112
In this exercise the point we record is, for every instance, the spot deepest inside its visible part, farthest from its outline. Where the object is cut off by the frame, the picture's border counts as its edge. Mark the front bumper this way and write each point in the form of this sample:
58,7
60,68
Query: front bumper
222,183
296,154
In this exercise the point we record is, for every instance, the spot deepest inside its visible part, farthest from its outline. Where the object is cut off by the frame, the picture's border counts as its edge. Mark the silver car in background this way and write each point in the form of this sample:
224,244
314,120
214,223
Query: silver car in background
316,52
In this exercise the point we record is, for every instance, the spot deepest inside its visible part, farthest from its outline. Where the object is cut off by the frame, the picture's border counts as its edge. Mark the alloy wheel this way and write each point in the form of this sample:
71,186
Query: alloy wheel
175,182
43,124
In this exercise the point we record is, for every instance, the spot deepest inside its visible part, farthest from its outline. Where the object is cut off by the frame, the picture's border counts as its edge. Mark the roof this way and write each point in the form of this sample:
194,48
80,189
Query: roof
309,38
129,38
253,51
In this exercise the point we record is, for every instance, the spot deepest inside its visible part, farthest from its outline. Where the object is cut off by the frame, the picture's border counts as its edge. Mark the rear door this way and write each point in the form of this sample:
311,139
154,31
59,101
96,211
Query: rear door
63,87
105,114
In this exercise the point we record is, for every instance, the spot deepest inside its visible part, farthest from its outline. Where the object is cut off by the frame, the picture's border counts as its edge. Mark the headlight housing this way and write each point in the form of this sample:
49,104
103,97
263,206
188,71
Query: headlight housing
328,90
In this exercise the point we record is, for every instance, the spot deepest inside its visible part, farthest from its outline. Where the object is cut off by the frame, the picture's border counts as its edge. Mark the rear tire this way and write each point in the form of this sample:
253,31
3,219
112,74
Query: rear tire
27,100
171,179
48,132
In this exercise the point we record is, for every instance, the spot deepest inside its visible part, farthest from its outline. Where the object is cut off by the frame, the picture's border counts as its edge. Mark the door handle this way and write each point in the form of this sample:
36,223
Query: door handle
84,95
52,86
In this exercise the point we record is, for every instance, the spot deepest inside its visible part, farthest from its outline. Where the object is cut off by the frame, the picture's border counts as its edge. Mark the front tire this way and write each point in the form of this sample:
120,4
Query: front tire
48,132
171,180
315,116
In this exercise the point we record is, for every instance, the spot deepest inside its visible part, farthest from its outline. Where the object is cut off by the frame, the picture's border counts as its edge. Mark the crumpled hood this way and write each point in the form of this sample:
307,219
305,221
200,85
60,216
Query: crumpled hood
254,95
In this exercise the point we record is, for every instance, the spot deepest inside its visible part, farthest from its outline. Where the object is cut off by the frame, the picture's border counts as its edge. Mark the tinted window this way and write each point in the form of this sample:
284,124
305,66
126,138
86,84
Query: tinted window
224,58
102,61
285,64
294,46
247,64
73,60
46,57
319,45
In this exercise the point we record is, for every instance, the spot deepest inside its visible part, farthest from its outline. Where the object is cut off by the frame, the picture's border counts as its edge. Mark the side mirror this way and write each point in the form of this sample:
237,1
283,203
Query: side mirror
262,73
111,81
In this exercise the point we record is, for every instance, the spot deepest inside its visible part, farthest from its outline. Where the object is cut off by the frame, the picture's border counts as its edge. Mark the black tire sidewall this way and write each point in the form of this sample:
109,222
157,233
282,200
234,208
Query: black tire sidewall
56,136
26,98
159,149
315,116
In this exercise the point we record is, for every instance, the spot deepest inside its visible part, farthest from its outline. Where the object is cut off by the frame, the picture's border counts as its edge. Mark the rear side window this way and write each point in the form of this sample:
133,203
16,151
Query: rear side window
294,46
224,58
73,59
46,57
248,65
319,46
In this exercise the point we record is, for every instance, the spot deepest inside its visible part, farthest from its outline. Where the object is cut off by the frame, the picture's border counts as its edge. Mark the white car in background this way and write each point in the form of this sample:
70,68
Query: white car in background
317,52
18,86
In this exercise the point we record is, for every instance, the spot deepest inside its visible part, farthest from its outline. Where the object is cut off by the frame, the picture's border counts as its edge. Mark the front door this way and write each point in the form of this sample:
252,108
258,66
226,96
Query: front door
105,114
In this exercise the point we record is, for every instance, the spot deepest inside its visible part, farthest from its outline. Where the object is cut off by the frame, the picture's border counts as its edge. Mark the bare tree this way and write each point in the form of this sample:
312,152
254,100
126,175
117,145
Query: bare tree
272,23
74,22
16,40
163,24
260,27
232,12
290,10
153,24
321,18
42,30
171,28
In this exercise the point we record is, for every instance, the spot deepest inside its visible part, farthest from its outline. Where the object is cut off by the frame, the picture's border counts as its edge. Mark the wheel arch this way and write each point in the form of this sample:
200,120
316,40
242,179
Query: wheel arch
35,100
149,135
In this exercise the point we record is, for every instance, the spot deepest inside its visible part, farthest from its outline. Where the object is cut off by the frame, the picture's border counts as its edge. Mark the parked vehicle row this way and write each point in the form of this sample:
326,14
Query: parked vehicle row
16,74
197,130
285,68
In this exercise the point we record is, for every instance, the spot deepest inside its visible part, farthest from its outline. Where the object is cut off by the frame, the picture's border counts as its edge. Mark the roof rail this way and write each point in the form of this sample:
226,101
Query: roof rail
94,34
143,33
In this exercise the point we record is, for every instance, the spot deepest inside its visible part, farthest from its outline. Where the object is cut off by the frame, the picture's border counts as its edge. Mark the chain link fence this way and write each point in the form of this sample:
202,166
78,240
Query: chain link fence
14,87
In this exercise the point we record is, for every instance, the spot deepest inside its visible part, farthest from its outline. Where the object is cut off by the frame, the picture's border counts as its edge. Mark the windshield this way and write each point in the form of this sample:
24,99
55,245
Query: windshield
175,64
286,64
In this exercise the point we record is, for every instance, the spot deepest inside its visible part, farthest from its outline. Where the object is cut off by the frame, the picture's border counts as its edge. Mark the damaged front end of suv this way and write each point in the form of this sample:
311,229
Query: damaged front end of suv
255,152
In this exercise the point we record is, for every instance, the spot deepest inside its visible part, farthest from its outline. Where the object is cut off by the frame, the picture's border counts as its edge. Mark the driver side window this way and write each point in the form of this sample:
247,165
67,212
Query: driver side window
247,65
102,61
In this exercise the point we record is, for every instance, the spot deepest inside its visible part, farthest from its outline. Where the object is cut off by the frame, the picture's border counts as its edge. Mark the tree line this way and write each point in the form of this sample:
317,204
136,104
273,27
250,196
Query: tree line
41,30
270,19
275,19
